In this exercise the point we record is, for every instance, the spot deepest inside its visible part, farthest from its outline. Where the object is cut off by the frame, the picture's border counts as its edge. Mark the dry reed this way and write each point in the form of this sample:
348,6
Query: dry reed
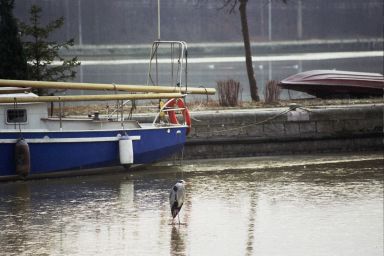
228,92
272,92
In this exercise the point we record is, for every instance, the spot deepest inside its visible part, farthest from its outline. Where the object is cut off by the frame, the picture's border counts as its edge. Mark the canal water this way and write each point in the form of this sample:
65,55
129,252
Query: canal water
206,72
294,205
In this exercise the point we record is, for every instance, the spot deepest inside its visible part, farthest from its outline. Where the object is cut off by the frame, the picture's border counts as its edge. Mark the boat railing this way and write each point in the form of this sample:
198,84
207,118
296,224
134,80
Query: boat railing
178,60
119,111
164,108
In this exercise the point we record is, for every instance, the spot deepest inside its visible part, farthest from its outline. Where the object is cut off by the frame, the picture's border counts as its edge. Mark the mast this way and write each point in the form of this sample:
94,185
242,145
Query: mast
158,20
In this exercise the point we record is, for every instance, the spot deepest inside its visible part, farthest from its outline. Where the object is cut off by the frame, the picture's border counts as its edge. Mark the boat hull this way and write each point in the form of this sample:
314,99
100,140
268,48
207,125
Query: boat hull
52,152
336,84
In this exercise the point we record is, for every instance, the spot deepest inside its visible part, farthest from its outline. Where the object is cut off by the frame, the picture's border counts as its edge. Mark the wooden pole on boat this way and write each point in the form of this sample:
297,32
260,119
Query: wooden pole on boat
8,90
141,96
111,87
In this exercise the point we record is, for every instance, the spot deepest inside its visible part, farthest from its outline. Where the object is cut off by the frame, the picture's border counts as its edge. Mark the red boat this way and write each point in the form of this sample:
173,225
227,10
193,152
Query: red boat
336,84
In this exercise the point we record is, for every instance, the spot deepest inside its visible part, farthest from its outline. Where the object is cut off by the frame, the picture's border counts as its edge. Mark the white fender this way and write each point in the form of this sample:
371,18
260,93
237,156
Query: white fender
126,150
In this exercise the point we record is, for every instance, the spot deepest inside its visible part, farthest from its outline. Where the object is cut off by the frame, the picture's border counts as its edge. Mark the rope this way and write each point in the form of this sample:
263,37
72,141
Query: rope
117,101
186,70
195,119
157,66
133,108
251,124
15,109
153,54
172,62
178,82
206,91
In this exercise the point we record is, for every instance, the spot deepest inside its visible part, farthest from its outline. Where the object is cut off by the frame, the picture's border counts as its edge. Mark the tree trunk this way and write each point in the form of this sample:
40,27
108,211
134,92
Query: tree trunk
247,48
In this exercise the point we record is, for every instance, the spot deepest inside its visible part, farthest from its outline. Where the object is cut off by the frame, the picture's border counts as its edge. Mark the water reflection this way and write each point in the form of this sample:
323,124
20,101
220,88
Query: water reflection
251,223
292,207
177,241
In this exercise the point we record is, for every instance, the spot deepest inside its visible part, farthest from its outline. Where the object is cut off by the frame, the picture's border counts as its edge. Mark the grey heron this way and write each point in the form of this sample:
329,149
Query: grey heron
176,198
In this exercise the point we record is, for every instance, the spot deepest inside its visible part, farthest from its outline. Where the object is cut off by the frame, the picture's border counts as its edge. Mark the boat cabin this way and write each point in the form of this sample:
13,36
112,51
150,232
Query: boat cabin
34,116
22,115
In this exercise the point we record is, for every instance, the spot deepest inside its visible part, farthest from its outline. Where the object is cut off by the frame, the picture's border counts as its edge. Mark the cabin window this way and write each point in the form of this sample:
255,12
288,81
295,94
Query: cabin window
16,116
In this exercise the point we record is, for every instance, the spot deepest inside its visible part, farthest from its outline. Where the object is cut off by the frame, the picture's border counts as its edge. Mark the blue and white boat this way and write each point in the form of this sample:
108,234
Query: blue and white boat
35,144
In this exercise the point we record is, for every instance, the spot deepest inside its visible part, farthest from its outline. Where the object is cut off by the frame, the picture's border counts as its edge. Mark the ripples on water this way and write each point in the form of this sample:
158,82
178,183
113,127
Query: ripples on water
301,206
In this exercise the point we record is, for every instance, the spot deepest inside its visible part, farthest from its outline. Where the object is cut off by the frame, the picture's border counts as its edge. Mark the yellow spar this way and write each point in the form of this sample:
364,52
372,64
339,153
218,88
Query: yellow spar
138,96
111,87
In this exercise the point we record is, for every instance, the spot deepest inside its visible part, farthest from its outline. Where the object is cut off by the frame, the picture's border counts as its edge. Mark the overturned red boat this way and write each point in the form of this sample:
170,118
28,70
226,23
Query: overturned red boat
336,84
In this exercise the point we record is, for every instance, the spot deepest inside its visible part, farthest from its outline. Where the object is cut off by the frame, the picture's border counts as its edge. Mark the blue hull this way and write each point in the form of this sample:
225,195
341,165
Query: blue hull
61,151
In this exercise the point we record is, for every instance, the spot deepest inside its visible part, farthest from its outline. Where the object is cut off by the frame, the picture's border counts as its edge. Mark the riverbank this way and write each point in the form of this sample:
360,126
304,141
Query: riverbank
286,130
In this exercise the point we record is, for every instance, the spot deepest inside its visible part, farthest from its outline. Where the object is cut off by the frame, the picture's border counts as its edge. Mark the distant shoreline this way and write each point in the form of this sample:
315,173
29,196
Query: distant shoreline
273,58
230,49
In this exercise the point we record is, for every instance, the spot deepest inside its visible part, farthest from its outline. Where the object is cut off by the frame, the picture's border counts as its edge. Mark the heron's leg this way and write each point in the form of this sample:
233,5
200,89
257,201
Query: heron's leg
178,216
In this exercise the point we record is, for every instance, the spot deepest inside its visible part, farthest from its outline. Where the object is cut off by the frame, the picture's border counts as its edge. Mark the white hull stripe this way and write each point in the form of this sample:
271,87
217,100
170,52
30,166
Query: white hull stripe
69,140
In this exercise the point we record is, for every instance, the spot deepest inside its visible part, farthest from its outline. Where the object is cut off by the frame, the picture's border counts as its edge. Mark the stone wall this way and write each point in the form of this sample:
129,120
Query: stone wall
253,132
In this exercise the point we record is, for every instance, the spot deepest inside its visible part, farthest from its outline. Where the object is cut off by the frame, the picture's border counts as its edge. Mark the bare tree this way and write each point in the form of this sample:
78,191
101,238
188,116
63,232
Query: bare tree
247,48
242,4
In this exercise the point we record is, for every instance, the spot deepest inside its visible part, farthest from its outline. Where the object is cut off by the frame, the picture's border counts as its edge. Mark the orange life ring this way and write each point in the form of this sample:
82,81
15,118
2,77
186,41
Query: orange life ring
172,114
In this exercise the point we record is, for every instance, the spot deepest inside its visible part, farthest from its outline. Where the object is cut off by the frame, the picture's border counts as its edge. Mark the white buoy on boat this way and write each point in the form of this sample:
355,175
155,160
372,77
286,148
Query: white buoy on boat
126,150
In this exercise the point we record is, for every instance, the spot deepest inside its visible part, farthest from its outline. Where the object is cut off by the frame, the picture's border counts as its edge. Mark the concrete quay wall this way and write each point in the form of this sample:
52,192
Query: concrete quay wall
277,131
